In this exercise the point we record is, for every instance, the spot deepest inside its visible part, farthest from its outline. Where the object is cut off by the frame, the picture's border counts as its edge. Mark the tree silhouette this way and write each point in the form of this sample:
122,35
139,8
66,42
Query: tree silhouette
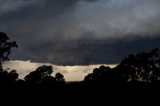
5,50
142,66
48,80
59,78
99,74
5,47
13,75
8,77
39,75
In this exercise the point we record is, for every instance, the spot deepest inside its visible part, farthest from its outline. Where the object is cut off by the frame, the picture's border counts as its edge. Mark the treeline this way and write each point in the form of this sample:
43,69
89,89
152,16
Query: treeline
141,68
138,73
41,75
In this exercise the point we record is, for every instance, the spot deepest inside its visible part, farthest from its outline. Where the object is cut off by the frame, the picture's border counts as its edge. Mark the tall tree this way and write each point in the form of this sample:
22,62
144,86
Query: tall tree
142,66
5,47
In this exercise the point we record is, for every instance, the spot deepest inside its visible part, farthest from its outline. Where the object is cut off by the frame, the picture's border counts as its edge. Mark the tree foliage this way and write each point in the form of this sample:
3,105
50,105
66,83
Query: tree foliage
5,47
39,74
59,78
141,67
42,75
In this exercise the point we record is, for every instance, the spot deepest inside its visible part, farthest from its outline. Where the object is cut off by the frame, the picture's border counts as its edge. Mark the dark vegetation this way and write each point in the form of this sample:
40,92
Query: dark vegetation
135,81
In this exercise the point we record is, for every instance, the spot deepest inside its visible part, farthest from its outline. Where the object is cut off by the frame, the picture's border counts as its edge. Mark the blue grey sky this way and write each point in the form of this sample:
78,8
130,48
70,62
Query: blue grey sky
80,32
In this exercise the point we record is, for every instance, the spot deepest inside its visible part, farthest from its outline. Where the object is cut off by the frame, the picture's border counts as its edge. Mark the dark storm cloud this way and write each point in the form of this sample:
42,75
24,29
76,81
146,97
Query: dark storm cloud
89,52
80,31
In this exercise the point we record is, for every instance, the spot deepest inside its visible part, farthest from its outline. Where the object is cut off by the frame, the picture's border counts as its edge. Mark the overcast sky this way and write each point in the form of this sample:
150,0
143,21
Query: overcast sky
74,32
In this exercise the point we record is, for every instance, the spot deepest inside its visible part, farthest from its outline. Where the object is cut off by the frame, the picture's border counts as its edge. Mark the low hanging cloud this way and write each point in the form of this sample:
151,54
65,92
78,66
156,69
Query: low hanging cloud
8,6
80,31
82,18
119,18
71,73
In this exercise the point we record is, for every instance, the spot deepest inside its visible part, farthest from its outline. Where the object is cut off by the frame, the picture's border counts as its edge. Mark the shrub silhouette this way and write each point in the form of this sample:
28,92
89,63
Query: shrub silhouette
59,78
